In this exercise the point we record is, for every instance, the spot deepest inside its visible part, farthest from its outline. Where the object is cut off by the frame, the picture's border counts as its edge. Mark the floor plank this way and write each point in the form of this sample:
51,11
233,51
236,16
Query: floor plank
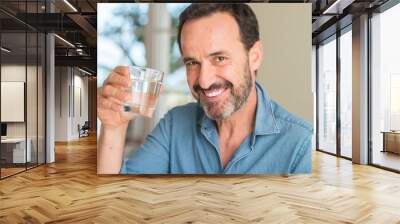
70,191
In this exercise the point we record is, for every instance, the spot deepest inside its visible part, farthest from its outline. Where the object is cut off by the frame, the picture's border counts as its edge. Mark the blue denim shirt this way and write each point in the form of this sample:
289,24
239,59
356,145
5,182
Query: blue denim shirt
186,141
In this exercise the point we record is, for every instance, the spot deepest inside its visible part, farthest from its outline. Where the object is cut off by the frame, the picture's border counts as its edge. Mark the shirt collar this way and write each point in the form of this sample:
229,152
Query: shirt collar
265,120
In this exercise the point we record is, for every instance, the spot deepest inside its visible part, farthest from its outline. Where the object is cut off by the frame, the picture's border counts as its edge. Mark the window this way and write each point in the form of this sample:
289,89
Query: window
385,88
327,96
346,93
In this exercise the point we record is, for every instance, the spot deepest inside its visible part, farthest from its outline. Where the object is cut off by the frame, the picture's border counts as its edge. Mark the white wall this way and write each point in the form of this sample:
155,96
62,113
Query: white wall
79,117
61,103
33,127
285,32
13,73
69,85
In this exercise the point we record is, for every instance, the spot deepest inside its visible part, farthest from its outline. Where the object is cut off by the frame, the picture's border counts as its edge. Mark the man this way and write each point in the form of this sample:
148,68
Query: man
235,128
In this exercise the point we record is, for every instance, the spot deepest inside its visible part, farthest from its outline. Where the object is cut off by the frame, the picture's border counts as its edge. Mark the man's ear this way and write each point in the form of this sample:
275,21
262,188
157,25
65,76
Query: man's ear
255,56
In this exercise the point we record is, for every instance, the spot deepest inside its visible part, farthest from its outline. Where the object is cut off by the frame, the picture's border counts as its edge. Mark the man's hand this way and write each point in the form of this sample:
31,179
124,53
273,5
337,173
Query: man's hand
111,97
114,122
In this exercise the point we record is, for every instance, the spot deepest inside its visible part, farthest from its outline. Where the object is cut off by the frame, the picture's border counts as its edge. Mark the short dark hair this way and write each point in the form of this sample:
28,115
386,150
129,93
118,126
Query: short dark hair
242,13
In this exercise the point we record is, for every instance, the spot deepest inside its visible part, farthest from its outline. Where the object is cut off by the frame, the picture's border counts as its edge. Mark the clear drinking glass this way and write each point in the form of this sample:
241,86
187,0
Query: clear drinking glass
145,88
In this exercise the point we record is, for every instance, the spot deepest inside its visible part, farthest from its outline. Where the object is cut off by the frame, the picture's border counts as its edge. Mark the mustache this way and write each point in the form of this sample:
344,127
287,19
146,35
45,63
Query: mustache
225,84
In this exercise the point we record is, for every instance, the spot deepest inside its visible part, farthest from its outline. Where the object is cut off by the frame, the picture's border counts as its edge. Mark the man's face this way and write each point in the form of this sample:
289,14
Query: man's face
219,72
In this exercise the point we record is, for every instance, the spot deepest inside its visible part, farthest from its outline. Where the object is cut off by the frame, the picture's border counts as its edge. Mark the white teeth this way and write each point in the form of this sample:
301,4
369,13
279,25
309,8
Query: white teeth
213,93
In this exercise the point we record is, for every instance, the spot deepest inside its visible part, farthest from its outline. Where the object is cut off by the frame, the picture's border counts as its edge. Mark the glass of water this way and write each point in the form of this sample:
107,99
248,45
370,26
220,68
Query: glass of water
145,88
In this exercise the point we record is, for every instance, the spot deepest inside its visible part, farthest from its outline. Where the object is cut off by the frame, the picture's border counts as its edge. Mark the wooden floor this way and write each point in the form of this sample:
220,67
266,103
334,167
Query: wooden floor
69,191
388,159
5,172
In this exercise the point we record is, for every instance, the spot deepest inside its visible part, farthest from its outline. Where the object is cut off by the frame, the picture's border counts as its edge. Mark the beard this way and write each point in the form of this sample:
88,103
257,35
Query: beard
238,96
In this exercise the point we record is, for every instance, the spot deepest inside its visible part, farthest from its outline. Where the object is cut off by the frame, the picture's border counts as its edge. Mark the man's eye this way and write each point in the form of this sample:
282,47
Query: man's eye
220,58
190,63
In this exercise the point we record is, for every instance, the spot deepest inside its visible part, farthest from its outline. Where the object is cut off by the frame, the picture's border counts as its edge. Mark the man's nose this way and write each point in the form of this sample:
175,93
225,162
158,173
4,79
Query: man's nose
207,75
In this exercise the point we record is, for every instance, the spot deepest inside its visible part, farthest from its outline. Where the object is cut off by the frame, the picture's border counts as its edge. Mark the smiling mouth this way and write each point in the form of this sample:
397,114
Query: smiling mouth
214,93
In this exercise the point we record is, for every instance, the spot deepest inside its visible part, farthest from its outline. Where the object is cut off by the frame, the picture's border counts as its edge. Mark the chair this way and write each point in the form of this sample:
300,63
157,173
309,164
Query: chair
84,130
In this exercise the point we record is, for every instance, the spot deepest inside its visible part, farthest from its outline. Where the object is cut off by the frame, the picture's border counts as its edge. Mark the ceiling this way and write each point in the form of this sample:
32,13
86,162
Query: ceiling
332,15
76,22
